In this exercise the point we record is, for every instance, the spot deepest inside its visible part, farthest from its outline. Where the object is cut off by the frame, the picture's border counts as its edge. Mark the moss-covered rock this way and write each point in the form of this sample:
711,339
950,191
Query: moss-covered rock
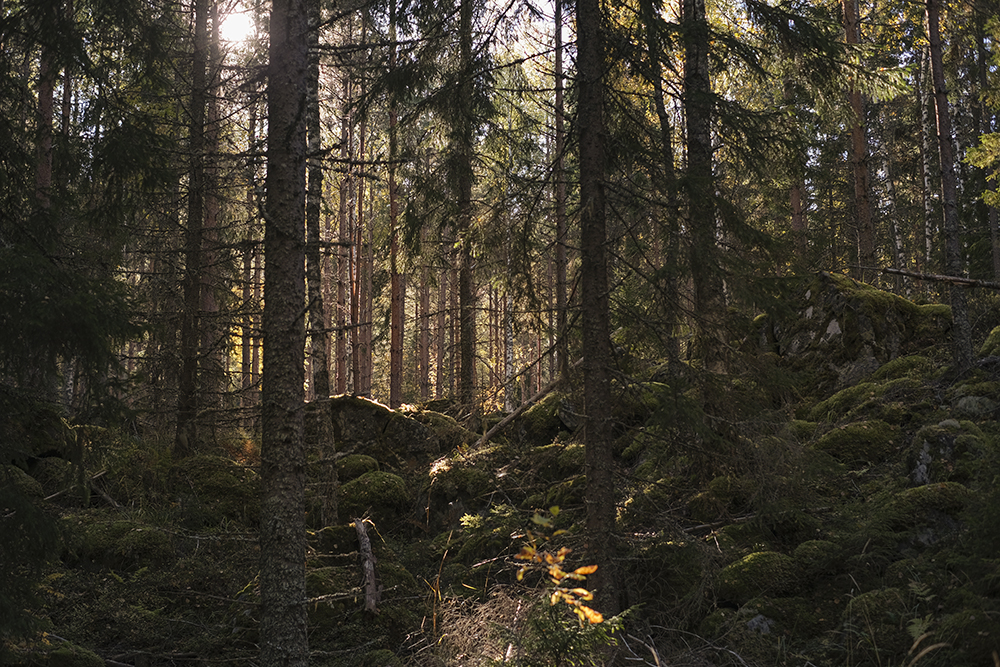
761,573
383,494
861,443
926,505
447,429
948,451
353,466
210,489
21,482
121,544
367,427
991,346
874,624
818,557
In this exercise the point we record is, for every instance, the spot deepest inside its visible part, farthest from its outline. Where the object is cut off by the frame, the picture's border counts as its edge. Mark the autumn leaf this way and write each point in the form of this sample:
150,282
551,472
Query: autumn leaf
585,570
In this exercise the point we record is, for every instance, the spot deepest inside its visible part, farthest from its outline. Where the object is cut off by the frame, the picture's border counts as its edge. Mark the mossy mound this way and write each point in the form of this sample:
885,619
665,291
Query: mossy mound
367,427
761,573
210,489
861,443
542,422
948,451
383,495
353,466
120,544
991,346
21,482
818,557
451,434
874,625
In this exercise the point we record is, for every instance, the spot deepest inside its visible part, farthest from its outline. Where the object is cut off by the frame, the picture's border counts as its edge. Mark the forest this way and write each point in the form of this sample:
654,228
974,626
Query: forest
517,332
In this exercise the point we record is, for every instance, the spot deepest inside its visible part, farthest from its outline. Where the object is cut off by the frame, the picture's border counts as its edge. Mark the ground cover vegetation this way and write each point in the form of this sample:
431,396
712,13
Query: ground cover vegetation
451,333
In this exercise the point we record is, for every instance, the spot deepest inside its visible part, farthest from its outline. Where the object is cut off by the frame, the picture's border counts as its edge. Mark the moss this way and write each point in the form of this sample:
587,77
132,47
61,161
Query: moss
991,346
381,658
800,430
913,507
353,466
860,443
448,430
913,366
460,480
875,624
20,481
122,544
761,573
818,557
70,655
866,398
213,488
382,493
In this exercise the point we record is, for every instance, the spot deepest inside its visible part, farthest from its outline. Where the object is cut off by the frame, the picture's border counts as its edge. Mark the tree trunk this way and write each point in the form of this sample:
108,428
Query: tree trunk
600,495
709,296
320,380
283,625
559,177
464,178
924,99
961,330
344,251
186,435
864,224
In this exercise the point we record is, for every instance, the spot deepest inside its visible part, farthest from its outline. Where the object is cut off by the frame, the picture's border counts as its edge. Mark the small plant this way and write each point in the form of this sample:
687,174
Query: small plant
552,563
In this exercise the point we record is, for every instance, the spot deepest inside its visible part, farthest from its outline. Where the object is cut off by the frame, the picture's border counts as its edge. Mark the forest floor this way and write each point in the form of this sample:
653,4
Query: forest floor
830,501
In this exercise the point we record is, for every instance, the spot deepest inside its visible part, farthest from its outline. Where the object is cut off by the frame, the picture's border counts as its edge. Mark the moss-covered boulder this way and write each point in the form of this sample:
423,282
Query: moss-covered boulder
947,451
71,655
861,443
818,557
16,479
542,422
119,544
874,625
363,426
353,466
383,495
844,330
210,489
758,574
447,429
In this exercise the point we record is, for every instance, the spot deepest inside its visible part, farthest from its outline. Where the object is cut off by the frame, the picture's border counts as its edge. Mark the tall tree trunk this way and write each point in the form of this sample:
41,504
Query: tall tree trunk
320,366
600,495
961,330
46,93
395,291
898,261
283,626
709,296
864,224
343,256
248,302
464,178
925,100
186,436
559,177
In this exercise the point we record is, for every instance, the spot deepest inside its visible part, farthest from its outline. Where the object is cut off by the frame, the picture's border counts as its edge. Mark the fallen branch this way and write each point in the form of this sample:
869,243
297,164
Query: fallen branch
367,565
935,277
524,406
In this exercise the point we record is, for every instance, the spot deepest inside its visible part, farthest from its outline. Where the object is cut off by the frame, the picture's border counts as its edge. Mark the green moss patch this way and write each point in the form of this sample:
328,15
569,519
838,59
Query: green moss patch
861,443
761,573
383,494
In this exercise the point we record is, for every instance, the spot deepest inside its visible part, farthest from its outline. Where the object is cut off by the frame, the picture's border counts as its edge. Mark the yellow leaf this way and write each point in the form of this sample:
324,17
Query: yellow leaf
592,615
583,593
554,510
586,569
527,553
565,551
520,573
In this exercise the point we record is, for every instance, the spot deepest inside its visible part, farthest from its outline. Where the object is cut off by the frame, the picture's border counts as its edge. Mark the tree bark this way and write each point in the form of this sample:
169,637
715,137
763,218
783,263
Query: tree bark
464,179
709,296
559,177
320,366
600,495
283,630
961,330
186,435
864,224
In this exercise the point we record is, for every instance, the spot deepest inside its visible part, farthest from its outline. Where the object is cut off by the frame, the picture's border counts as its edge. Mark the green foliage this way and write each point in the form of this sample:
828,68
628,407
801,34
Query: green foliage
30,539
860,443
761,573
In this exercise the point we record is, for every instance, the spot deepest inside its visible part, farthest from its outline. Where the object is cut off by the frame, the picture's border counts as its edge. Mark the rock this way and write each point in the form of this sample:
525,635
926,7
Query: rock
761,573
367,427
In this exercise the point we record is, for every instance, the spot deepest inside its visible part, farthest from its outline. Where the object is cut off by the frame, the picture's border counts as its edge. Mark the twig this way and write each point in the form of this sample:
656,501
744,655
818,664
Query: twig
524,406
368,565
935,277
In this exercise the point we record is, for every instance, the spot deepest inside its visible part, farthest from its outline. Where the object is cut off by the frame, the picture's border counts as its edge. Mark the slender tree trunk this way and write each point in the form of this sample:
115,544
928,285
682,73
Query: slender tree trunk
600,495
344,251
247,294
709,296
559,177
864,224
320,380
283,628
441,337
187,435
46,93
898,261
927,150
464,178
961,331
